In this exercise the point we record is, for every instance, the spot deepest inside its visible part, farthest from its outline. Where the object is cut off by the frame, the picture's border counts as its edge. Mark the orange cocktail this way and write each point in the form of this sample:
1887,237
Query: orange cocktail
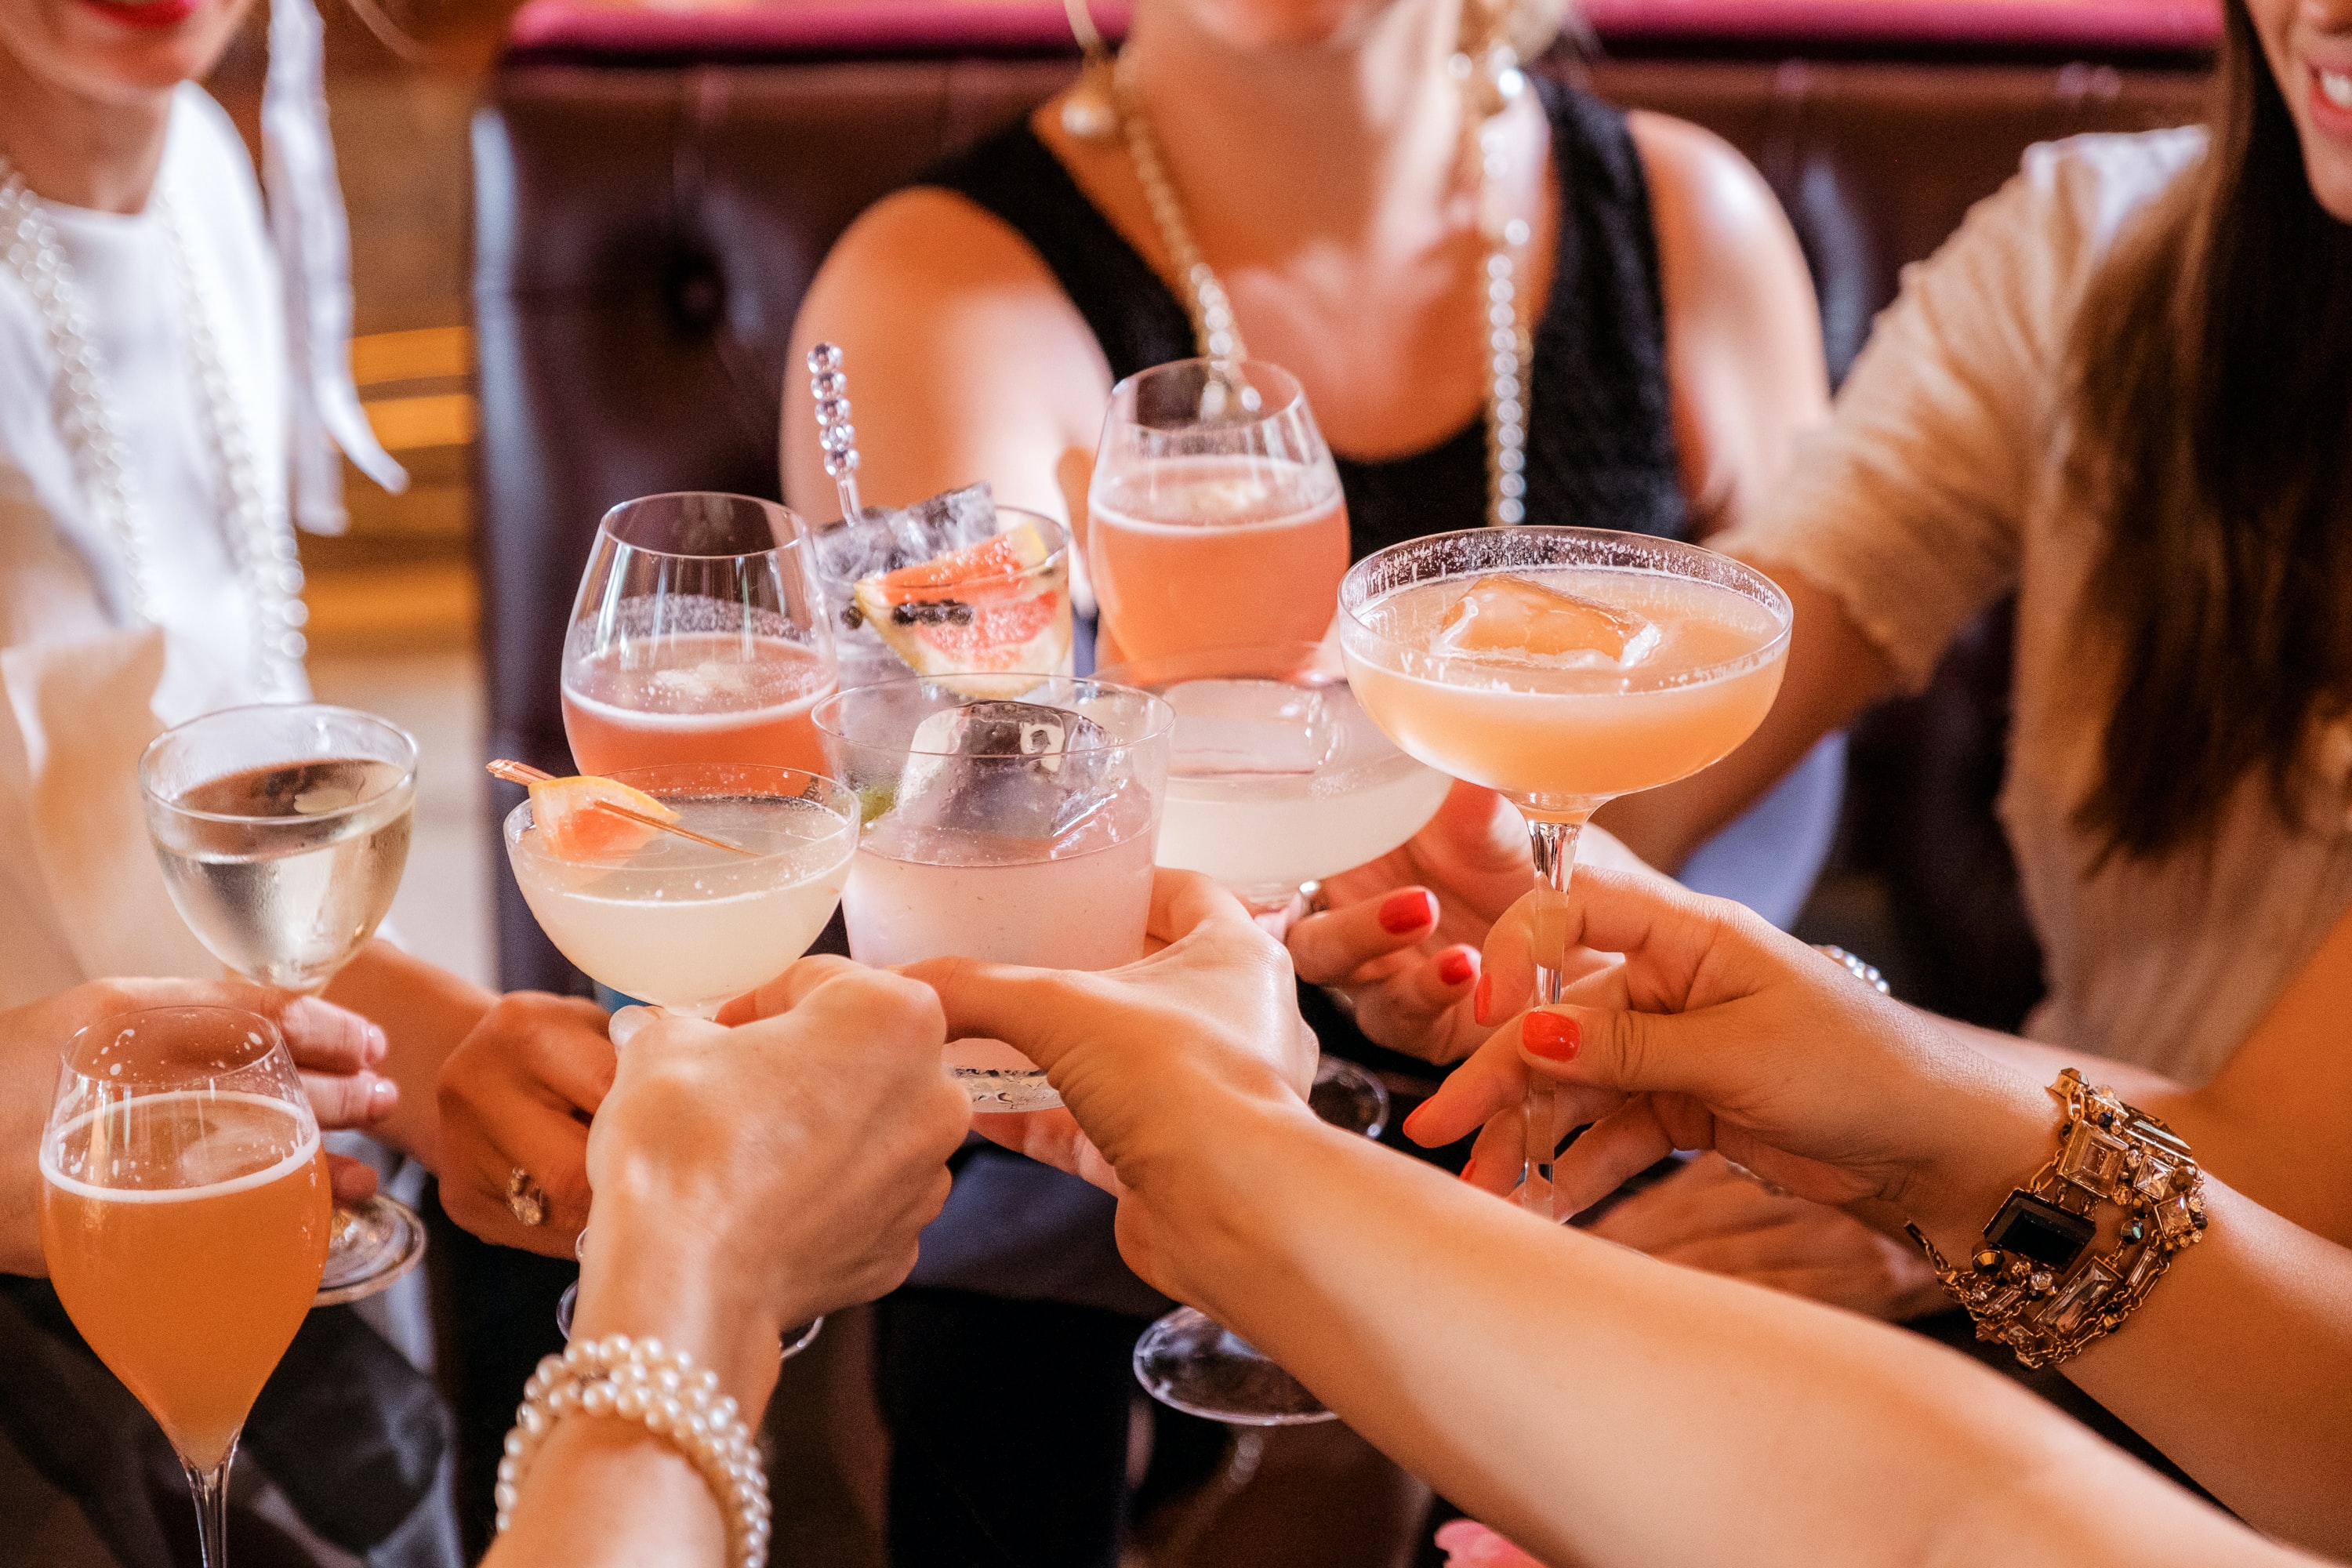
184,1218
1562,668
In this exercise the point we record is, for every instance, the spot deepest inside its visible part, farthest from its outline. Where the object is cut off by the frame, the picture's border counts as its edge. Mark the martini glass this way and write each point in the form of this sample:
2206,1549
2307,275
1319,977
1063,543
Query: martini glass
185,1216
1214,517
1015,831
1562,668
698,635
1276,778
283,830
686,925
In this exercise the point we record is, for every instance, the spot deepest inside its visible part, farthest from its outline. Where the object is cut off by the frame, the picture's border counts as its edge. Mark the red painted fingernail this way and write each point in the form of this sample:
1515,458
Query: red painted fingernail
1479,1003
1407,910
1470,1169
1456,966
1414,1116
1551,1035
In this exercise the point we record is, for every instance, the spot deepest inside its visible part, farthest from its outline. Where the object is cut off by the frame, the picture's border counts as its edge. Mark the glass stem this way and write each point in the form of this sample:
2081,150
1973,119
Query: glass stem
210,1489
1554,843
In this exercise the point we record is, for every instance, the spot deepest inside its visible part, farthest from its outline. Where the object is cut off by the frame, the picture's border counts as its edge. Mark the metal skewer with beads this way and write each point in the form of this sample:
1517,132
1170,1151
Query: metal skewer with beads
834,432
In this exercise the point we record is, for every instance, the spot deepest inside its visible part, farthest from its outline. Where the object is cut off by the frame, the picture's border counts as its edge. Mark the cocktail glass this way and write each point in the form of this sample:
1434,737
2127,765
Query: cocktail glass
1214,517
963,631
283,829
184,1218
698,637
1486,654
1038,857
1276,778
684,926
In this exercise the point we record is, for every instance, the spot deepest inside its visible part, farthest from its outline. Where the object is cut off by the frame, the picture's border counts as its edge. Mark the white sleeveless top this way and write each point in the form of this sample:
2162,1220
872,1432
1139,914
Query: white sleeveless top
80,896
1937,487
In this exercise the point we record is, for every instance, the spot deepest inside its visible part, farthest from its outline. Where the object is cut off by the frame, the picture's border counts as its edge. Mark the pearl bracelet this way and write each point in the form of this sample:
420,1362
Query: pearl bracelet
647,1381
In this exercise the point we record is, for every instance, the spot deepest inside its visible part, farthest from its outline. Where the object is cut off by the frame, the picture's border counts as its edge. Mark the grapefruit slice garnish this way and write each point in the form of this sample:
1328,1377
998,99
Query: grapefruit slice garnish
972,619
1517,617
570,827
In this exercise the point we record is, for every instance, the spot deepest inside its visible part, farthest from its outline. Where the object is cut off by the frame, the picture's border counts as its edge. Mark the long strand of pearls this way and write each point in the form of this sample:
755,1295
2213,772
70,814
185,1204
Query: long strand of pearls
1489,85
644,1381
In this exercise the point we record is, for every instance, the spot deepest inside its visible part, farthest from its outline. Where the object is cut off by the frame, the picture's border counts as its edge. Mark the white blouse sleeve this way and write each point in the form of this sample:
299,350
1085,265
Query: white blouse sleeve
1910,504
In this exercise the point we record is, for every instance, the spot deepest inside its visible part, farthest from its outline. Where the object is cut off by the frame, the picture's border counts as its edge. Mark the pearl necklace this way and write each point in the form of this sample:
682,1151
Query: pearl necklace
261,540
1488,88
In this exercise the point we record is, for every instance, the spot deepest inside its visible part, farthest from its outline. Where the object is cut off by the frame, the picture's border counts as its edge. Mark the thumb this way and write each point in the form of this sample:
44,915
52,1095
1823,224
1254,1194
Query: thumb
1023,1007
1620,1049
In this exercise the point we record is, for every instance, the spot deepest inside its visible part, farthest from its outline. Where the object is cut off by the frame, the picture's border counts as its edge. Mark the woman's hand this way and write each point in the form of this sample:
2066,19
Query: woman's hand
750,1178
1147,1057
335,1051
1729,1035
515,1095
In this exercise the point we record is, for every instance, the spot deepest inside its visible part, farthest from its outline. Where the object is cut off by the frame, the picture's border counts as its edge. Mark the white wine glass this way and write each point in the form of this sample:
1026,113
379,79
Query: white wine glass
283,829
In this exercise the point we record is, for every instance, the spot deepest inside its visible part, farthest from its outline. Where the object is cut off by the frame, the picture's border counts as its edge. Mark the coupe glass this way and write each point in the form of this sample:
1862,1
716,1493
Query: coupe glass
699,636
685,926
1519,697
184,1218
283,829
1214,517
1040,854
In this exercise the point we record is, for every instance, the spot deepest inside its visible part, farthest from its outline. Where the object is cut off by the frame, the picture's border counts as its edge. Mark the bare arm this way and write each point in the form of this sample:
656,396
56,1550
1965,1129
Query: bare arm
424,1012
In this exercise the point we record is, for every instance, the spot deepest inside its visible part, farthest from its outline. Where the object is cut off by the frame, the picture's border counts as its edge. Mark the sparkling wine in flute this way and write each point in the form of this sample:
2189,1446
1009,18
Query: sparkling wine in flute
284,870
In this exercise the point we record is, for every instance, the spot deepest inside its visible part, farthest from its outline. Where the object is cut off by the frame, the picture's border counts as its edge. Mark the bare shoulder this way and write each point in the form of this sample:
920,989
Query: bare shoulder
1702,190
966,359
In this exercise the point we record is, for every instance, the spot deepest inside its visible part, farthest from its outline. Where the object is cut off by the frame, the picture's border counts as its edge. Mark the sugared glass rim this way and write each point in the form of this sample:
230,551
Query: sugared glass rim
833,796
777,547
1423,665
1060,552
155,747
827,713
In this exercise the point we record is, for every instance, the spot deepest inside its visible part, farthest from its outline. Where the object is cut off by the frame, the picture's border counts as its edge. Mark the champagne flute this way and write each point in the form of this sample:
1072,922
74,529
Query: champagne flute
1562,668
283,829
698,635
1214,517
184,1218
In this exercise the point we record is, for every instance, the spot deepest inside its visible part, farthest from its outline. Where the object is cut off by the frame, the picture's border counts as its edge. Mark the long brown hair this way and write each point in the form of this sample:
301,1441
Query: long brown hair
2213,399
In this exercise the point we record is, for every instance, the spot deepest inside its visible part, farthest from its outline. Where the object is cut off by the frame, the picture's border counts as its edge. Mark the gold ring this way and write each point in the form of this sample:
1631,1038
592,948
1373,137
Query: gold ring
525,1201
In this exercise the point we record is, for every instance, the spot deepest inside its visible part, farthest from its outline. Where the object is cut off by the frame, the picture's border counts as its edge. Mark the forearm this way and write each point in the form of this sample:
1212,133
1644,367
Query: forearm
424,1011
1603,1408
608,1492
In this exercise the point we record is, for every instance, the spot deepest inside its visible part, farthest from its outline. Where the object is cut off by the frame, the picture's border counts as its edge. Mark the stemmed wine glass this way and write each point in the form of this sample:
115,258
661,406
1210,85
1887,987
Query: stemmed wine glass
1562,668
1214,517
698,635
283,830
686,920
184,1218
1277,779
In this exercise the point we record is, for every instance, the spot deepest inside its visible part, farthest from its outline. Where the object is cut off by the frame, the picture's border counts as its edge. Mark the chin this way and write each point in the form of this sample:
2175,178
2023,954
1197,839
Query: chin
1276,24
121,54
2331,183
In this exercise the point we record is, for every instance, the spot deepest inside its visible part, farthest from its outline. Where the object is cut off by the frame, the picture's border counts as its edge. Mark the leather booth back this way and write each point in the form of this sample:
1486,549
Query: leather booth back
643,234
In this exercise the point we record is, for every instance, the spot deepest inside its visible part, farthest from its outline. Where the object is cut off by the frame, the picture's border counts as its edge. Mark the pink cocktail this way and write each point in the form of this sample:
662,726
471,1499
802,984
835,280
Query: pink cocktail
707,698
1562,668
1019,831
1214,516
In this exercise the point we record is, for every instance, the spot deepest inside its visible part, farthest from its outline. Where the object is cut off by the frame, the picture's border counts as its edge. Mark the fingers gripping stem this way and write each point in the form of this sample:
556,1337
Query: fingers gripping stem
1554,844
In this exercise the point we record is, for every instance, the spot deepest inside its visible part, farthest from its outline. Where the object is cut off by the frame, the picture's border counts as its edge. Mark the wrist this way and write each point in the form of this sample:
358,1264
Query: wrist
648,1274
1210,1201
2000,1134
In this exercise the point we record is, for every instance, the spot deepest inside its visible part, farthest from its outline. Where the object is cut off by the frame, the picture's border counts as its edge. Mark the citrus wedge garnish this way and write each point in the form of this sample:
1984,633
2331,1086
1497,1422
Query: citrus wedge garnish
571,827
973,619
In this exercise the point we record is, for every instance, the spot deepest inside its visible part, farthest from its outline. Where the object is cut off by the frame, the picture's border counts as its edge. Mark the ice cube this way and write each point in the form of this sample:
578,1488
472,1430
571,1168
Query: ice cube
1516,618
1015,770
1262,727
884,539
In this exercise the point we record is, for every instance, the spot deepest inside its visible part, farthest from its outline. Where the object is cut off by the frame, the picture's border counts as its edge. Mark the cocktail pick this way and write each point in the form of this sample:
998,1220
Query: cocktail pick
833,430
524,773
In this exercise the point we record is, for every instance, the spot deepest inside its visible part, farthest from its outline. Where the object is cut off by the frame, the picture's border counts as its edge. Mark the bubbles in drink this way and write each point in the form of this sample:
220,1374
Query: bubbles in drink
282,871
1507,617
1228,727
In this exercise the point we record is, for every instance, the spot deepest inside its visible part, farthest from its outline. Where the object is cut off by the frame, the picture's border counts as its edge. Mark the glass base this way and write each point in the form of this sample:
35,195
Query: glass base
374,1243
1006,1089
1349,1097
796,1339
1187,1360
